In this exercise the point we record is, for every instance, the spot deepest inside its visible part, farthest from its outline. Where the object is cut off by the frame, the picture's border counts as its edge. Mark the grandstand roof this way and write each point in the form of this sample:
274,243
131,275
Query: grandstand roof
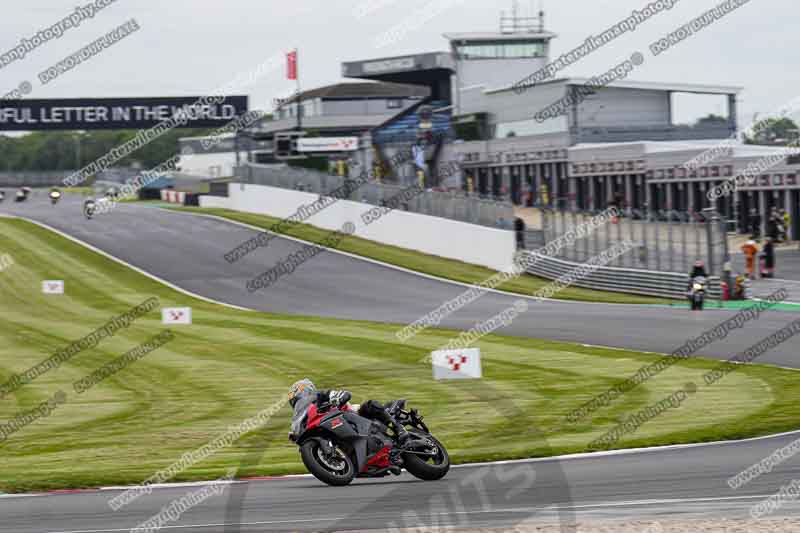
357,122
645,85
364,90
499,36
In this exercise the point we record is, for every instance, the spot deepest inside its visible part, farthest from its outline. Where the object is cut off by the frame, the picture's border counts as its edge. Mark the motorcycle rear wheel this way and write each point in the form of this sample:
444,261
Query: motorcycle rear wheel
338,472
428,469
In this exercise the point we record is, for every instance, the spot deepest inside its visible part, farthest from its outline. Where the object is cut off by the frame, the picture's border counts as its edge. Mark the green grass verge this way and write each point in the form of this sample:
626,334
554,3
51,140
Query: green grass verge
134,200
230,364
734,304
424,263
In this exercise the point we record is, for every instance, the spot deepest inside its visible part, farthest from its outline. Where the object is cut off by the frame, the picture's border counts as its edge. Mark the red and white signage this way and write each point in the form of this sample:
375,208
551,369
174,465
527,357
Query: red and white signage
327,144
457,364
173,197
291,65
176,315
53,286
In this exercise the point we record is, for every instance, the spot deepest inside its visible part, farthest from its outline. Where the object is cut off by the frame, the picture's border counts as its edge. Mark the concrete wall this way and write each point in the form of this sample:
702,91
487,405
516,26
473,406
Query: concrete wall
210,165
618,107
493,248
496,73
510,111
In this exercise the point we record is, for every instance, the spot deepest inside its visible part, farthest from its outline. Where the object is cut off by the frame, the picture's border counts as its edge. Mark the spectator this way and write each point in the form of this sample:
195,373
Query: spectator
768,269
741,287
786,224
519,229
774,225
755,224
750,251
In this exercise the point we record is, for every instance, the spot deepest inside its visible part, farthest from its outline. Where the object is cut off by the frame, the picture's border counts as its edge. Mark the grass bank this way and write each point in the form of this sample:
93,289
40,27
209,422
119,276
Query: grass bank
230,364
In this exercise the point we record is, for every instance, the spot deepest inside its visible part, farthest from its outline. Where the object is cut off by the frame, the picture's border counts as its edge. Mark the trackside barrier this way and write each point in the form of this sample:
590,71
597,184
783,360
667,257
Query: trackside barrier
644,282
173,197
469,243
443,204
35,178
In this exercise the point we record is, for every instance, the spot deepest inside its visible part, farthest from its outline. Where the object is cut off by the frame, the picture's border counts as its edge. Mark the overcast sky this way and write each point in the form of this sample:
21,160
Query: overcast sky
191,47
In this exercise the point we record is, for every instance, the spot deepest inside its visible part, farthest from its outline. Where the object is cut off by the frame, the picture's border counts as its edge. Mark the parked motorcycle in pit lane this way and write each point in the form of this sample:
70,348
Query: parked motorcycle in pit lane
337,445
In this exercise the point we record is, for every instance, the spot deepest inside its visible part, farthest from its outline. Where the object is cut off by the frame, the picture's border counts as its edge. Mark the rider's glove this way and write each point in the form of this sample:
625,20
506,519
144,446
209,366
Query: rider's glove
340,397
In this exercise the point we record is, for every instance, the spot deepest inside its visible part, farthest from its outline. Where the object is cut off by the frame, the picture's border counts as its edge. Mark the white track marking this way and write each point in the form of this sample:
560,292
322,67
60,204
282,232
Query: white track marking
568,457
516,510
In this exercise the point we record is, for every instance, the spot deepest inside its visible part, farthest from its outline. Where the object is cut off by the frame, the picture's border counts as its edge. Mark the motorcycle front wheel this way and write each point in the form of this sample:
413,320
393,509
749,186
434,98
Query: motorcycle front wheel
336,469
428,467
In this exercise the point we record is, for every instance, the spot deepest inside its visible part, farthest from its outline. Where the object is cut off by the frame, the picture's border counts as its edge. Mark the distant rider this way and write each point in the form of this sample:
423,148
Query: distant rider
699,270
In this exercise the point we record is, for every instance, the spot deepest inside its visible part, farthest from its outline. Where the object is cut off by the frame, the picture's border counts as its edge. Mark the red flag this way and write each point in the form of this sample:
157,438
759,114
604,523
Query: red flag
291,65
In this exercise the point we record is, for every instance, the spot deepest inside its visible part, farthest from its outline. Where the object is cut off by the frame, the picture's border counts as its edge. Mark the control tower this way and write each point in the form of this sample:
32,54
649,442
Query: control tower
489,60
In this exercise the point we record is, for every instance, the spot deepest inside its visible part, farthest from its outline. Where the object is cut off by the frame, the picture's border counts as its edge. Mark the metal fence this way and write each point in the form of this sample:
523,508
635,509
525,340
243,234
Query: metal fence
633,281
34,178
664,243
450,205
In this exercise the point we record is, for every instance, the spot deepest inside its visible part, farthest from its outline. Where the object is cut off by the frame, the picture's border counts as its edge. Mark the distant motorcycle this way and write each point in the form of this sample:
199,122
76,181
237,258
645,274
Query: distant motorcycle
55,196
22,195
2,196
89,208
697,294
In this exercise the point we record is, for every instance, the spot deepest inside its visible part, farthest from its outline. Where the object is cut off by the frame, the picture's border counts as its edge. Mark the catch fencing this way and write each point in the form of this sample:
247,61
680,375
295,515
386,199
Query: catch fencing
450,205
665,242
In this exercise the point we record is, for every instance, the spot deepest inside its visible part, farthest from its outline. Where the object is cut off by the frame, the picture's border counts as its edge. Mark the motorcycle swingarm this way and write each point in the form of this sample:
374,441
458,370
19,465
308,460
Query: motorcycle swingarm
429,454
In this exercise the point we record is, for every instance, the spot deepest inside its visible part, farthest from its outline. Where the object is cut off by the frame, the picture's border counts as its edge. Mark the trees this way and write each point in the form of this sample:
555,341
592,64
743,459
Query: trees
773,131
61,150
712,120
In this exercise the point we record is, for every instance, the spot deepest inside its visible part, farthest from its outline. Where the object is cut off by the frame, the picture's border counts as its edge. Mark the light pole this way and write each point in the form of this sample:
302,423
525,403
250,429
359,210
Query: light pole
77,151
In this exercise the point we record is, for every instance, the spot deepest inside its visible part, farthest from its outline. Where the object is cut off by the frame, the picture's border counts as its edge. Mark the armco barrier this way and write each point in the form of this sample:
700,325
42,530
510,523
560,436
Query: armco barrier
644,282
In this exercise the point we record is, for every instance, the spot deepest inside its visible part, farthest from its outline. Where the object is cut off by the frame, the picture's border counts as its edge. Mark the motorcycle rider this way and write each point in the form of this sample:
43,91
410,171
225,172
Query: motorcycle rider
698,270
303,394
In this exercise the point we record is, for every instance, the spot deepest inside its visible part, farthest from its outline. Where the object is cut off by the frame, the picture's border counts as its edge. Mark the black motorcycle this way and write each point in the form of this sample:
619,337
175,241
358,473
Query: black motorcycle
55,196
337,445
89,208
697,293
